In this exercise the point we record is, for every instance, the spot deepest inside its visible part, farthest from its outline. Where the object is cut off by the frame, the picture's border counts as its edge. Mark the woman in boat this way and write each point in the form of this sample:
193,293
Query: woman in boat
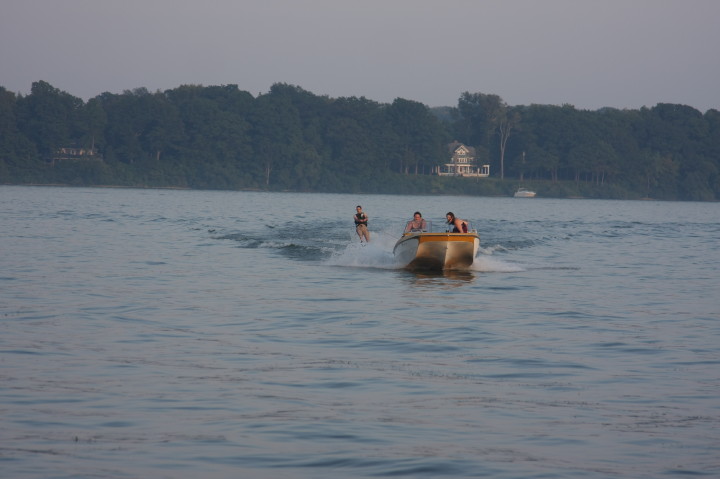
417,224
361,220
458,225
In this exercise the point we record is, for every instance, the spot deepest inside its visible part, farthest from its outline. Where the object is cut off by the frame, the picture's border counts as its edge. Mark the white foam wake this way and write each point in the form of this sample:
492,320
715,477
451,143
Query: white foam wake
488,264
378,254
375,254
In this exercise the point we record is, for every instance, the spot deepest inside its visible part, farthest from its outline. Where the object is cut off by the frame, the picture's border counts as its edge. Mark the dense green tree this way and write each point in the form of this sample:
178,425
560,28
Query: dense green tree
479,115
50,118
126,122
419,136
289,138
18,155
277,131
216,133
482,119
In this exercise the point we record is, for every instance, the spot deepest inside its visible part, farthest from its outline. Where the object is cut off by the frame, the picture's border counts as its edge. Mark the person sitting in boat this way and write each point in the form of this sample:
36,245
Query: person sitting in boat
417,224
458,225
361,220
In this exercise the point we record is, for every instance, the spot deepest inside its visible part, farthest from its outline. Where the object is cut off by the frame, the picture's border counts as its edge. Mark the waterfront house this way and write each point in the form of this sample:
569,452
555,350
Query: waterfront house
463,163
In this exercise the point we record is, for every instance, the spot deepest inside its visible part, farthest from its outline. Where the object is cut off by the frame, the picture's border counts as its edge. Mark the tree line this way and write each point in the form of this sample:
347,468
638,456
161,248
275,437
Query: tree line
221,137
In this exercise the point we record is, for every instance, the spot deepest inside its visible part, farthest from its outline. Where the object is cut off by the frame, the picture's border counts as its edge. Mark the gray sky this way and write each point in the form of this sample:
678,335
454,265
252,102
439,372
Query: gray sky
588,53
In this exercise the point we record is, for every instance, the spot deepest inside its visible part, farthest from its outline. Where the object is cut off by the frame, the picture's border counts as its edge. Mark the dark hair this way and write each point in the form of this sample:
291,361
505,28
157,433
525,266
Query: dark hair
450,213
417,213
358,206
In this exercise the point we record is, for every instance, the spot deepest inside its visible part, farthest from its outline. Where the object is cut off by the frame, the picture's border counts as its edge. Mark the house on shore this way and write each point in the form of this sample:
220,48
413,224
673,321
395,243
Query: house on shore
462,163
75,154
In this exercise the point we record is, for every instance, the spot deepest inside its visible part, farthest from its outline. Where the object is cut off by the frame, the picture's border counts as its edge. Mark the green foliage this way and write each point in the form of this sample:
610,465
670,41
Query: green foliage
291,139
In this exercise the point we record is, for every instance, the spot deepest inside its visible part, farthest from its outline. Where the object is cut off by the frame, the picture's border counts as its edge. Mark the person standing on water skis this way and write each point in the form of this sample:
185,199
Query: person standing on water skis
361,220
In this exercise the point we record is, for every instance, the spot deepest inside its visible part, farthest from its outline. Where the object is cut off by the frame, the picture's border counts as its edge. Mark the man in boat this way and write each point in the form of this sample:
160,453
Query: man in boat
458,225
417,224
361,220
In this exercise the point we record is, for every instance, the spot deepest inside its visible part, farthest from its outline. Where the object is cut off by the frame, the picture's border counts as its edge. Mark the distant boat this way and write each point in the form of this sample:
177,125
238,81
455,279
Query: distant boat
524,193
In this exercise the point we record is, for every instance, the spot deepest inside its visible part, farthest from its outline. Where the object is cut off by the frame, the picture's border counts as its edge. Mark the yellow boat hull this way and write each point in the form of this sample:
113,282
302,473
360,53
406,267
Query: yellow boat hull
437,251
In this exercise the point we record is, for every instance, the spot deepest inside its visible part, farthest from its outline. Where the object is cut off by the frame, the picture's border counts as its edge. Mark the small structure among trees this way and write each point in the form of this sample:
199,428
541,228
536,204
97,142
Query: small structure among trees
462,163
75,154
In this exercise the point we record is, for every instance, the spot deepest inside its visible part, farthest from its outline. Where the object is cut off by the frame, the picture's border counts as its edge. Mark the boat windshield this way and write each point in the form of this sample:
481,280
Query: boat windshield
429,227
414,227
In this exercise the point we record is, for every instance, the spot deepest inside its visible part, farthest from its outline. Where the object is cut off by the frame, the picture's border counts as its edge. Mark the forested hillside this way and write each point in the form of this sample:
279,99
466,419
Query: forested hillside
291,139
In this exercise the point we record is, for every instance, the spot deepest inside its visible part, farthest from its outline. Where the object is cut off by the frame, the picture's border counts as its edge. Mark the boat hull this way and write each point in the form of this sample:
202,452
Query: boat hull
523,193
437,251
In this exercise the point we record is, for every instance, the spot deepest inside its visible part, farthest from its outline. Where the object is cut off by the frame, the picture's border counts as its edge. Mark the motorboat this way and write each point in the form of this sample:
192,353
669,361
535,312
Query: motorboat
424,250
524,193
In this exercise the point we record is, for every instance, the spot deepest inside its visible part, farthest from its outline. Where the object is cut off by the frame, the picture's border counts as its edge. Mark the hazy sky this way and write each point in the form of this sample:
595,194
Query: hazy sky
588,53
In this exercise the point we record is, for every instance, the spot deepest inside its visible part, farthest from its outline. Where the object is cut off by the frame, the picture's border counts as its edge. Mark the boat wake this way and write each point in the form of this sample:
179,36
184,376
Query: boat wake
379,254
487,264
296,247
348,252
376,254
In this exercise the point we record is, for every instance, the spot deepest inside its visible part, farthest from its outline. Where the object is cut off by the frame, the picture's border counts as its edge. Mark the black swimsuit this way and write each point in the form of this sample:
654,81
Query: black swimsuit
456,230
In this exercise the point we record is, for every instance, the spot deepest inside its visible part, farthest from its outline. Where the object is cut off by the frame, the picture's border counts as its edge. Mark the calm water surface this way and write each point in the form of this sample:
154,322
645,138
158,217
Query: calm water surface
183,334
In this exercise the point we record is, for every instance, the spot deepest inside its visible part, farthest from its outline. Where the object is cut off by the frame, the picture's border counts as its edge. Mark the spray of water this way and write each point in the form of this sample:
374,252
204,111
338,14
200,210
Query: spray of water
488,264
379,254
375,254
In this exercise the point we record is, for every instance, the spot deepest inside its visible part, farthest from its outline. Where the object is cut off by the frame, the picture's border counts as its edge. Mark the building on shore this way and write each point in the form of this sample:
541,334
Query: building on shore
75,154
462,163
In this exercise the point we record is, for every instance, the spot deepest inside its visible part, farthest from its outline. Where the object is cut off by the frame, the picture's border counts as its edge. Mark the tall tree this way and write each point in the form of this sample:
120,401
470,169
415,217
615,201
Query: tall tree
506,122
419,134
18,155
50,118
481,116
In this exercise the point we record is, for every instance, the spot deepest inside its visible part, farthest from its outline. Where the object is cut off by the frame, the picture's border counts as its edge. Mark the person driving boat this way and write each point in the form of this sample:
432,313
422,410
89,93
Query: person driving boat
417,224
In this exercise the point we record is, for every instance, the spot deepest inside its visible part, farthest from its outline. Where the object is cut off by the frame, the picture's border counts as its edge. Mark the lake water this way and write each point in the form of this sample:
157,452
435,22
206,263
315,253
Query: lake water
185,334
